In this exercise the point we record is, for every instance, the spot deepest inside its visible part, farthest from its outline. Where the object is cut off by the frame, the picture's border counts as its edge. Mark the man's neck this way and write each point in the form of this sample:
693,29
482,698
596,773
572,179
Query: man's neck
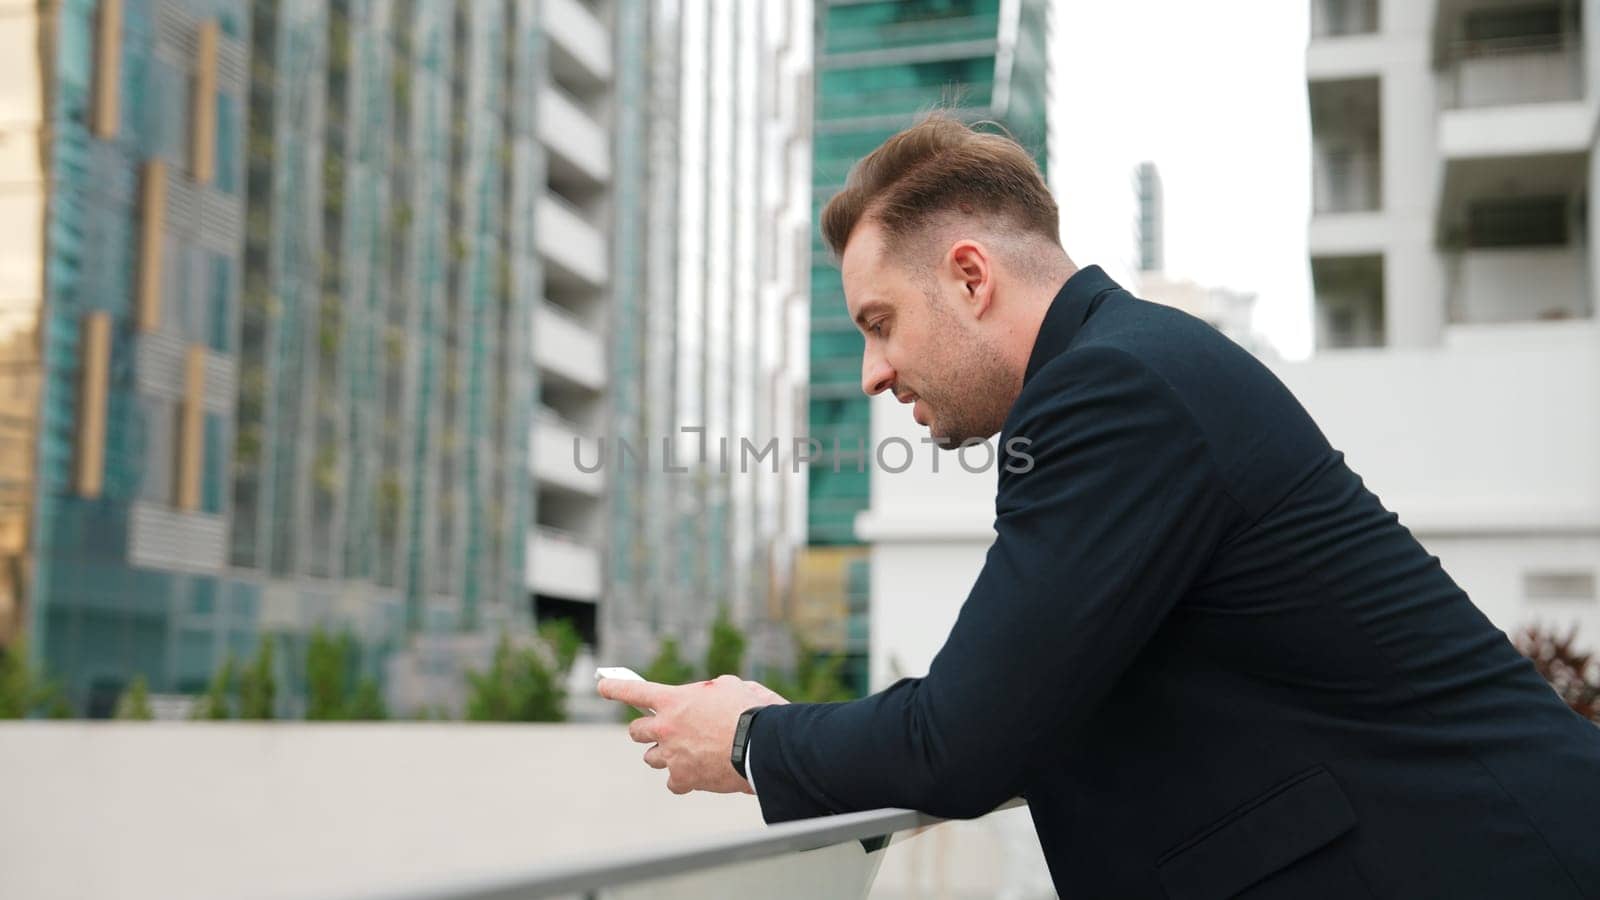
1030,316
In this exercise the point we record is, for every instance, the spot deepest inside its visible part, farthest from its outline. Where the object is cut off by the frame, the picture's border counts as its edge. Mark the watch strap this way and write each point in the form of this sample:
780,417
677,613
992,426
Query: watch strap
741,739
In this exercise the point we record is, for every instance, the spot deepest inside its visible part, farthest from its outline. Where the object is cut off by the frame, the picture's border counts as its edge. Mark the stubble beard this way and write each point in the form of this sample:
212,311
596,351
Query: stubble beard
978,388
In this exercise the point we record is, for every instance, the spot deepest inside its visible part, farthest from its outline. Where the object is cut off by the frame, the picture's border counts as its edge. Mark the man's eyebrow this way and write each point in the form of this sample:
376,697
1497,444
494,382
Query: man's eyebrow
870,306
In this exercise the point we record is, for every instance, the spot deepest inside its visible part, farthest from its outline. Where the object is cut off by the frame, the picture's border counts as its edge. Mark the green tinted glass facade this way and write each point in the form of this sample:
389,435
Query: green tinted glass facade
356,275
129,578
880,64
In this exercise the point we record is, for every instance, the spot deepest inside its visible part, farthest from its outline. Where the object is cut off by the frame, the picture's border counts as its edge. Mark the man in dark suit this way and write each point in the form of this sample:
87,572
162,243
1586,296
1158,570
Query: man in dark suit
1209,658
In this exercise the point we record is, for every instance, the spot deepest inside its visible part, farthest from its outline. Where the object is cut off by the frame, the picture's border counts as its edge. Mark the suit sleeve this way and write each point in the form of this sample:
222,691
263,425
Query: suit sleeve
1119,513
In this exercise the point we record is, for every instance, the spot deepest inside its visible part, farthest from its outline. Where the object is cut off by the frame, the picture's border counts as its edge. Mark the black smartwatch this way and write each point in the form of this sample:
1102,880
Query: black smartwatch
741,739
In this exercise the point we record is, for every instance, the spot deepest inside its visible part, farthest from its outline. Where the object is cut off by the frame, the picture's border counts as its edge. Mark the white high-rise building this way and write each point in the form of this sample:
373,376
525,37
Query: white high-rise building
1458,360
671,214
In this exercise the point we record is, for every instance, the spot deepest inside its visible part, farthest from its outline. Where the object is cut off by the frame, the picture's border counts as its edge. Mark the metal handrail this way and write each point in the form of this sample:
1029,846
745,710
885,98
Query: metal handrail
1514,45
611,869
1534,54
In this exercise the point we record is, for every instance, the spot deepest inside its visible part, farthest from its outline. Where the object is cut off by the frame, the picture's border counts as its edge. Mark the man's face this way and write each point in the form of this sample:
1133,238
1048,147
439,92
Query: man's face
924,339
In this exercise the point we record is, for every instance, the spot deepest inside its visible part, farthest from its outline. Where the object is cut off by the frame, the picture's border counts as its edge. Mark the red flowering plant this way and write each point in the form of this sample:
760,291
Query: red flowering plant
1574,674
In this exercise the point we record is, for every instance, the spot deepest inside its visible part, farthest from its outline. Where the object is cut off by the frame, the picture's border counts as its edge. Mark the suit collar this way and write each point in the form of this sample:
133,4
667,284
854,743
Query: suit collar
1073,304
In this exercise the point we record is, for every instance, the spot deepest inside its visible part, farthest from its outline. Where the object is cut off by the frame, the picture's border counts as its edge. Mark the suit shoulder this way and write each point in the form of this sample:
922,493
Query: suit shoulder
1169,340
1262,437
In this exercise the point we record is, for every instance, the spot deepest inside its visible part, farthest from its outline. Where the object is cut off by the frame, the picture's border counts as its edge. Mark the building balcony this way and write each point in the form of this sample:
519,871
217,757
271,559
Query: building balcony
574,249
551,442
580,44
1509,71
1346,180
1510,81
580,149
1490,286
567,349
1349,303
1513,234
1343,18
560,564
1347,142
1361,56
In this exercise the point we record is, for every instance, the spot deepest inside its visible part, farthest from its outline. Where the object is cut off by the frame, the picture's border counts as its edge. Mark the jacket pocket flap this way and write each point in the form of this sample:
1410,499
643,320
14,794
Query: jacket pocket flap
1285,824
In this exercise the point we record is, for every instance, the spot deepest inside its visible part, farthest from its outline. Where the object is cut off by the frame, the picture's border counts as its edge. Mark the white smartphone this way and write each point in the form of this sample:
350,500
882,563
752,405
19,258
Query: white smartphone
622,673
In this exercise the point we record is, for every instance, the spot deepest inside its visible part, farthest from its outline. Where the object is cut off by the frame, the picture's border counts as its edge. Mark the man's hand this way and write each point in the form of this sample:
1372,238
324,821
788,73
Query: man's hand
692,729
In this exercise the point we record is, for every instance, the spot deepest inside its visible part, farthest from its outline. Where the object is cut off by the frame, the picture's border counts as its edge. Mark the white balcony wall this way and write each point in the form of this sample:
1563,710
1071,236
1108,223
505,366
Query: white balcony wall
1349,234
568,348
561,565
550,446
572,246
572,134
1521,130
578,40
1519,284
1494,433
1338,58
1502,79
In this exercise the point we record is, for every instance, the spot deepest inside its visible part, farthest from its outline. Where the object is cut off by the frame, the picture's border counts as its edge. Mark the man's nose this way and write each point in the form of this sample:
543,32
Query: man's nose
877,375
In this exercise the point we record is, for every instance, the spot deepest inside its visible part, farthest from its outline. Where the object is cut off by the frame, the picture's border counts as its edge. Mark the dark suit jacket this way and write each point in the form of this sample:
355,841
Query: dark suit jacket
1210,659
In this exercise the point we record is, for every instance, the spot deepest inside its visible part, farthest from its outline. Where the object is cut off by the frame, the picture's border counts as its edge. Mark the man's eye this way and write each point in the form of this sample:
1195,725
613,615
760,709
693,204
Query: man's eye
876,328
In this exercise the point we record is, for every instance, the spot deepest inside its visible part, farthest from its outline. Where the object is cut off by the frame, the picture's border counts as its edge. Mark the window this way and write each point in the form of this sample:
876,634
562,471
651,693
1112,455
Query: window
227,143
1518,222
1518,26
211,482
219,318
1559,587
96,355
1337,18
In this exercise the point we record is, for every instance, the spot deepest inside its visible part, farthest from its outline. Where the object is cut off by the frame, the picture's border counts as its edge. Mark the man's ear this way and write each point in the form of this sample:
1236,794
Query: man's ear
969,263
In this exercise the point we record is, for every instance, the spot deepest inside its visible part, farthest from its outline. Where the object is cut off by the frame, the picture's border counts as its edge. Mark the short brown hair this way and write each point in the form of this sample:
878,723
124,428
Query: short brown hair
941,164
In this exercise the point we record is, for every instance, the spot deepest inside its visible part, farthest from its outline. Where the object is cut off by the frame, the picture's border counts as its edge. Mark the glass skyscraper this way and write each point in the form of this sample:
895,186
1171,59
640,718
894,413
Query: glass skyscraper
305,302
880,65
121,336
269,333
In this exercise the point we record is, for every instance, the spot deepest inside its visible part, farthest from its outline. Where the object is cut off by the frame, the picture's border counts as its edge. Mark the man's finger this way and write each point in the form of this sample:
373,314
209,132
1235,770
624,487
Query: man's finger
654,757
638,694
644,731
